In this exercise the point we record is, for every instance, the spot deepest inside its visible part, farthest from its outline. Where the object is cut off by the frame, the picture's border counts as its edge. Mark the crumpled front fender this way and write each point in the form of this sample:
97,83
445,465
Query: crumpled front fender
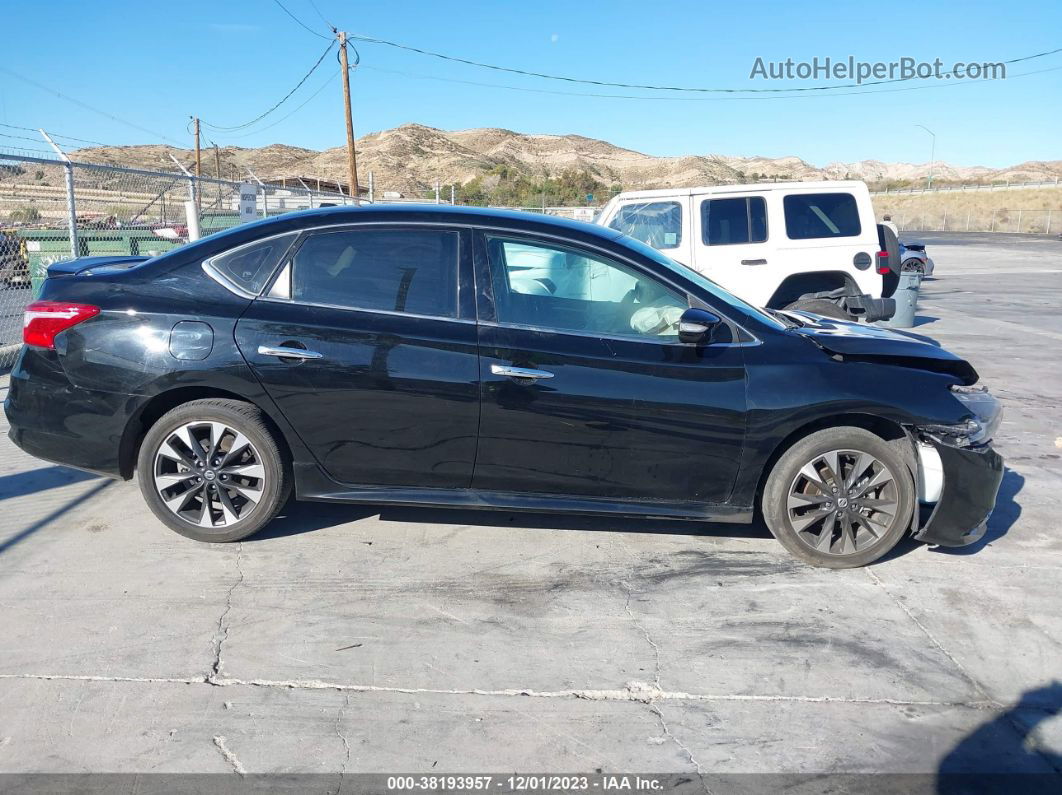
971,482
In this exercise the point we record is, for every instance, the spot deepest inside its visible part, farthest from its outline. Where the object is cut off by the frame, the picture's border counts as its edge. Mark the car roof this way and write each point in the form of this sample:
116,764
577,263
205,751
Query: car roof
438,213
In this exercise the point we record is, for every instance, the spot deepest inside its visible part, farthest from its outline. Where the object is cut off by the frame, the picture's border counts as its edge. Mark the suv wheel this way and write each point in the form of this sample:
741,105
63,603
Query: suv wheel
839,498
212,470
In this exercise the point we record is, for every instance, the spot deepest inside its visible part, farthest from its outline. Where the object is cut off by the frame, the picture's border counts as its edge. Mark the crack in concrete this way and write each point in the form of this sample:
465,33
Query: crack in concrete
221,634
339,733
682,746
645,632
1015,725
230,757
933,639
640,692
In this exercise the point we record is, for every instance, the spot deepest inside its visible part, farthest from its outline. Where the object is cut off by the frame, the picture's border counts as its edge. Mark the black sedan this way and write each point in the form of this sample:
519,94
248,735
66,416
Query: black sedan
459,357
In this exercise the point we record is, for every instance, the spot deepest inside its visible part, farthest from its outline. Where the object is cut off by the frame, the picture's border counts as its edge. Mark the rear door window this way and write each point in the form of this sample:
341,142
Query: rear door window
726,222
394,270
817,215
657,224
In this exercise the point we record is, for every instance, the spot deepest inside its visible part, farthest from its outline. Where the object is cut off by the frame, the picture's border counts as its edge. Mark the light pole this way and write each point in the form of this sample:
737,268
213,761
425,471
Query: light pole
932,155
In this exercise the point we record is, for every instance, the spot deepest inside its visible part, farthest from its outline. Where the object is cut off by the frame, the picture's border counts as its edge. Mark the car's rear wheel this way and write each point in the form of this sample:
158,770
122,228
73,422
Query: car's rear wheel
839,498
212,470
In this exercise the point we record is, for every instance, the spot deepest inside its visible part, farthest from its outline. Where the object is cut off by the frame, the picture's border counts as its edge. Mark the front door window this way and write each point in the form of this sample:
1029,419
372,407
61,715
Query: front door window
562,289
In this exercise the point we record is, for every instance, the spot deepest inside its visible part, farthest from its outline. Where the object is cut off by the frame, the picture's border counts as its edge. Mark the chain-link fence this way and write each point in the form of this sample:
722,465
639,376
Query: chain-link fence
52,210
1043,222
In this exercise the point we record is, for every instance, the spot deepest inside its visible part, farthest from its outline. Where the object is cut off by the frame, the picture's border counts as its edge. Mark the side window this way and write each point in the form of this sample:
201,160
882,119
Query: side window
658,224
569,290
811,215
249,267
396,270
725,222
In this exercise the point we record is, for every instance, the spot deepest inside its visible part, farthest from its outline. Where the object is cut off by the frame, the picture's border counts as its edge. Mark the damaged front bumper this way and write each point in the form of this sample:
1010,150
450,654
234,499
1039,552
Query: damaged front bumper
860,306
971,480
863,307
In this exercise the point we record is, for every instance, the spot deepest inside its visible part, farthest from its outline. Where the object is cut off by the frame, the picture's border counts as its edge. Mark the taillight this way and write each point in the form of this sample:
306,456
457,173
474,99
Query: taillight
883,262
44,319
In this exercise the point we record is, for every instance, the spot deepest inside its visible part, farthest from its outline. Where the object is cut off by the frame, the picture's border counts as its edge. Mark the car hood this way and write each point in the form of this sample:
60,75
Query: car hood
862,342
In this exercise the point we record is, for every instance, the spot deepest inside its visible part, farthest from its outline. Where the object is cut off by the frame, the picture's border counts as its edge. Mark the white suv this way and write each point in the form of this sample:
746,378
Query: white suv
811,246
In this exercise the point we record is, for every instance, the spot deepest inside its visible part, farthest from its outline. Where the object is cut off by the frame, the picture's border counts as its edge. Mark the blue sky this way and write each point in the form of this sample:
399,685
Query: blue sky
155,64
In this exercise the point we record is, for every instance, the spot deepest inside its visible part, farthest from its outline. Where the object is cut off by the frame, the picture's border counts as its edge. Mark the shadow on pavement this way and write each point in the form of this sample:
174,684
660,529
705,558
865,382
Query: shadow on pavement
925,320
305,517
37,480
1007,745
40,524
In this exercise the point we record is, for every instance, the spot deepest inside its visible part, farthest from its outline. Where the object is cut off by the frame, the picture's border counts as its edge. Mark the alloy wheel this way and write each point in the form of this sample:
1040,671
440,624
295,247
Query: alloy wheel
842,502
209,474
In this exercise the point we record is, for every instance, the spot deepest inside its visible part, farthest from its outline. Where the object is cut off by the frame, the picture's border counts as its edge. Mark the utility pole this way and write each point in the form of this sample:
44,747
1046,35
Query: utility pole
932,155
198,155
217,161
352,162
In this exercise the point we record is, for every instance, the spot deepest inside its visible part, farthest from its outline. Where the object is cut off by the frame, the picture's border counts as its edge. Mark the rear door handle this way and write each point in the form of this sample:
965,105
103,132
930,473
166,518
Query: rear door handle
753,262
519,372
285,352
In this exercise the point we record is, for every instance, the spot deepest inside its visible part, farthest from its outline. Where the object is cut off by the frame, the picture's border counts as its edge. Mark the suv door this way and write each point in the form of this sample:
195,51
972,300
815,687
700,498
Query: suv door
367,344
827,230
730,239
587,390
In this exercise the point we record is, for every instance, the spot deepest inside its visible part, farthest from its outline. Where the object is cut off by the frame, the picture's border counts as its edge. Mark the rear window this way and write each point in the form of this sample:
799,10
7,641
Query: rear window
815,215
657,224
250,266
394,270
725,222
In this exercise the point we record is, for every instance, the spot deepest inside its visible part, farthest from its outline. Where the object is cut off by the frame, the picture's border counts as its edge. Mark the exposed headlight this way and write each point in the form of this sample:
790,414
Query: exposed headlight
977,429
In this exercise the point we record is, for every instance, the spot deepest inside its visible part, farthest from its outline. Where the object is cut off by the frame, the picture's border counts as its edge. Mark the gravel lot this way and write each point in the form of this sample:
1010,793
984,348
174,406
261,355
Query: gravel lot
350,639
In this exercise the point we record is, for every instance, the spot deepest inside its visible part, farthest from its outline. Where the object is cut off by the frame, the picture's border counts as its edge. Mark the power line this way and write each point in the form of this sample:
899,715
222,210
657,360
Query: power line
299,22
312,97
54,135
22,137
322,16
287,96
650,87
86,106
651,98
26,148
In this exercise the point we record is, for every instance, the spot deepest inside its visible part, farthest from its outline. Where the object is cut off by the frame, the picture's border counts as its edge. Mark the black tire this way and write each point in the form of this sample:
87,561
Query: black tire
873,531
257,475
820,306
891,280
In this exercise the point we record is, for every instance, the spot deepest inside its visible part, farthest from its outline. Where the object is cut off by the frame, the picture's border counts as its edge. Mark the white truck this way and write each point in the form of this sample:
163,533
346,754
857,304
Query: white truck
812,246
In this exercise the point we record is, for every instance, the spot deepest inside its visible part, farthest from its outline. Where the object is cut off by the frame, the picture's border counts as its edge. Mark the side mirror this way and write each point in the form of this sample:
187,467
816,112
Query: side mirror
696,325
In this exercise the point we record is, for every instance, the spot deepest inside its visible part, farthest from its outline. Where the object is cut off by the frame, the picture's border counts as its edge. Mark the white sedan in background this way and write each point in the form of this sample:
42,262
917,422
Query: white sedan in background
913,256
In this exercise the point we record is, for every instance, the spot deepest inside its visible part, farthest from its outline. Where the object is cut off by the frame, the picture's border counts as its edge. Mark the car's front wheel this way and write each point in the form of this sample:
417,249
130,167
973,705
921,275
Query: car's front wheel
212,470
839,498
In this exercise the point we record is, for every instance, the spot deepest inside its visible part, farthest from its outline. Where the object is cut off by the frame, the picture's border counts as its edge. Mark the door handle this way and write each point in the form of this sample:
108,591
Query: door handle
753,262
519,372
285,352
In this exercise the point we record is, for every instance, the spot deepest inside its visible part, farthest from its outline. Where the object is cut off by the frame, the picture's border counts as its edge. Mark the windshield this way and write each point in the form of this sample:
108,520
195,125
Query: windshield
721,293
